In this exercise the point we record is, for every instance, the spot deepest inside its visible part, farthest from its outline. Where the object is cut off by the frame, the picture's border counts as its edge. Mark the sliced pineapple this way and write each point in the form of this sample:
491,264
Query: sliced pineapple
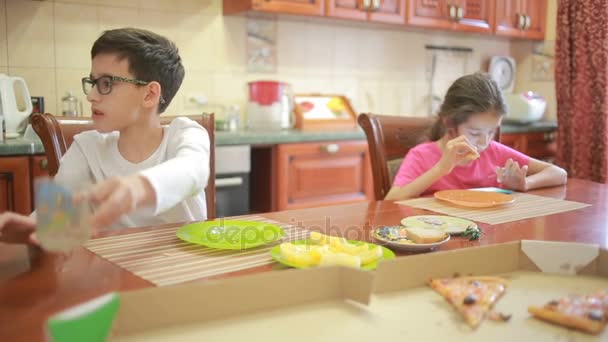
329,258
301,255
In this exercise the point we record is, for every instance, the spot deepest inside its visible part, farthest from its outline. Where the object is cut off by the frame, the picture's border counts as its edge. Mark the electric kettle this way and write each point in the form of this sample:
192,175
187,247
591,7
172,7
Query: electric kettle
8,103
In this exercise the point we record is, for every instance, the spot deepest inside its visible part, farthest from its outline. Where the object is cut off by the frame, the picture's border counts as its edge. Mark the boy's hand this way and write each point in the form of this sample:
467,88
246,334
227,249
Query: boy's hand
119,196
512,176
15,228
456,150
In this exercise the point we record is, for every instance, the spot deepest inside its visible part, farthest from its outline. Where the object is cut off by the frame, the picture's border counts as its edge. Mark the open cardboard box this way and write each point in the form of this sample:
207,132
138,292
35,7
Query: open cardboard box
333,304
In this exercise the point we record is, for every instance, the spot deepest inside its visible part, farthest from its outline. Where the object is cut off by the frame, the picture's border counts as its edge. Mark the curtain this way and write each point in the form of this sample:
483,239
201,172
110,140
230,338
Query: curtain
581,73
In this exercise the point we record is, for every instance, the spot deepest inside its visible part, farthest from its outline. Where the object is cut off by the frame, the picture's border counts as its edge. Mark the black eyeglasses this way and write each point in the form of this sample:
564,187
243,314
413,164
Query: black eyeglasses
104,84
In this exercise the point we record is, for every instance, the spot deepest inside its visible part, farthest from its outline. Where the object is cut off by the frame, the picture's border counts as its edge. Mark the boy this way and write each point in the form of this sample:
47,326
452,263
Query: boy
134,171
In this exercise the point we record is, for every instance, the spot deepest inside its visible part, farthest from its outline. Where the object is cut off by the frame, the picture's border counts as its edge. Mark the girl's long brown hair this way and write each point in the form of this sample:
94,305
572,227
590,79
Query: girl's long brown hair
468,95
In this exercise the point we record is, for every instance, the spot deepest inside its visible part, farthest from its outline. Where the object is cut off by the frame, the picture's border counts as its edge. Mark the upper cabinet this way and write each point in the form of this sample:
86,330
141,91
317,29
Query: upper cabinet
302,7
510,18
386,11
458,15
521,18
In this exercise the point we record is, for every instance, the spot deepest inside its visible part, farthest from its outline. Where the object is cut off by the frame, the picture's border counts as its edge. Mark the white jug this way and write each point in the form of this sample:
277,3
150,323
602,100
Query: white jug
8,103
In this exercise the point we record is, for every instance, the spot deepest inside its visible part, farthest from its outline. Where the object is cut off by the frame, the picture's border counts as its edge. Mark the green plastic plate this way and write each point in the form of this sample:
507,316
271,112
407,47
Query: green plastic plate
230,234
275,252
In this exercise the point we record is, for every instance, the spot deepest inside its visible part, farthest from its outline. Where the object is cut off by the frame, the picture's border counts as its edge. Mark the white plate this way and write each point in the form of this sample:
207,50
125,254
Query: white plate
449,224
408,247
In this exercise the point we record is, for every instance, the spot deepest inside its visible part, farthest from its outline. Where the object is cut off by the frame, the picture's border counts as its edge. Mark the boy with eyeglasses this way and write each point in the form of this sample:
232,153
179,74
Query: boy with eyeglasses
134,171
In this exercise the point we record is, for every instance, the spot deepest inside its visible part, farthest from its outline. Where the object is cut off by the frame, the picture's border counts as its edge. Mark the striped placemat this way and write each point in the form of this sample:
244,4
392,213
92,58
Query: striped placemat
161,258
525,206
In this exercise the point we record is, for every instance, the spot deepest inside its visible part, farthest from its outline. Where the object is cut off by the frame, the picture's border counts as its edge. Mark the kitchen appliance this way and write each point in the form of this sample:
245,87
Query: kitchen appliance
232,167
12,89
524,107
270,106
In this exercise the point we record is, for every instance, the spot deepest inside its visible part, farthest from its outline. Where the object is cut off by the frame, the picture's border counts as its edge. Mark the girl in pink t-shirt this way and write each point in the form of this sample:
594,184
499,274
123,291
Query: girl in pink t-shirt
463,154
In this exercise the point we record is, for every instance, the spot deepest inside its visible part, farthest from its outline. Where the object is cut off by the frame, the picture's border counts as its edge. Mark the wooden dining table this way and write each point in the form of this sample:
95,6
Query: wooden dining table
35,284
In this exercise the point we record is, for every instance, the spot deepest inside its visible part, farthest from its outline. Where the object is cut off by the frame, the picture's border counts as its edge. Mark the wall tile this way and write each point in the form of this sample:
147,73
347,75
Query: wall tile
112,18
196,84
3,39
232,47
197,39
3,70
76,28
30,34
206,7
83,2
304,46
41,82
119,3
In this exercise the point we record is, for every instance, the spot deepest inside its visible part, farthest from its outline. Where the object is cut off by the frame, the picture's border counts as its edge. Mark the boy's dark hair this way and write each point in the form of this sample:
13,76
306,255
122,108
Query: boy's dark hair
468,95
151,57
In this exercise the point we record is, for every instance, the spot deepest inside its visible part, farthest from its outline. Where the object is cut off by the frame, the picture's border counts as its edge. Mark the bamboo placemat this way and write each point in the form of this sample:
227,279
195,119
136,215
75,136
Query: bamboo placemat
525,206
161,258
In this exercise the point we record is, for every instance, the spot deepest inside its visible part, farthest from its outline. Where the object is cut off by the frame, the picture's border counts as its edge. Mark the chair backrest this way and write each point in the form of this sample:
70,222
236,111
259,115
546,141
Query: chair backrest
57,134
389,138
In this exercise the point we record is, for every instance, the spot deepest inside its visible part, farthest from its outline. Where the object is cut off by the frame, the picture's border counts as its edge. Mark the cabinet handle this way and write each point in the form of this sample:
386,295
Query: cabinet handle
459,13
452,11
521,21
375,5
330,148
44,164
528,22
366,4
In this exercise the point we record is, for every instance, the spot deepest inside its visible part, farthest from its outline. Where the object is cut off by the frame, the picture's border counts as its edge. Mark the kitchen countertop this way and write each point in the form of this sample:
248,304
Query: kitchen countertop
539,126
22,146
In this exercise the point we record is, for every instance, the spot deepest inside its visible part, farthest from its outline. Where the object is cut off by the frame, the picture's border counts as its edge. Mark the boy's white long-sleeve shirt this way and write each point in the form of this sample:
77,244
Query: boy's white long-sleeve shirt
178,171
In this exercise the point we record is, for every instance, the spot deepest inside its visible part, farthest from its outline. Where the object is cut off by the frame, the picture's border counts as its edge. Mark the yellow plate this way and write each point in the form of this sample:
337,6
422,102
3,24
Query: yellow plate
474,199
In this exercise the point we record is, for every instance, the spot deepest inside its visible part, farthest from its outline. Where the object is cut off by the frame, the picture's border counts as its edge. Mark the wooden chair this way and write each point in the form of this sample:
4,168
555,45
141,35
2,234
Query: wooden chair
389,138
57,134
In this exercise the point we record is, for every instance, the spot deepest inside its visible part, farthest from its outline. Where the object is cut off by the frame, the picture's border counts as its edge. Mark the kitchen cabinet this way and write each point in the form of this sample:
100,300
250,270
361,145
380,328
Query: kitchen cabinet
521,18
15,185
303,175
17,176
300,7
539,145
385,11
456,15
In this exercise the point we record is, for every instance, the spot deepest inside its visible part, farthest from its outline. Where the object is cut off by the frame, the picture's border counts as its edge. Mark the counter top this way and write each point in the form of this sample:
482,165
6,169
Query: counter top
22,146
539,126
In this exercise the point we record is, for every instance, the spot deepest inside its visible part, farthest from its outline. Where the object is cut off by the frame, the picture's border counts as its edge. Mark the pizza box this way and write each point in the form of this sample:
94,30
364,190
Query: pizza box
333,304
206,310
538,272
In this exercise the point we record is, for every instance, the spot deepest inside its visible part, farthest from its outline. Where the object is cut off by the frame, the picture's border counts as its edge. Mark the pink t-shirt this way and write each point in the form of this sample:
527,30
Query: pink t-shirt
479,173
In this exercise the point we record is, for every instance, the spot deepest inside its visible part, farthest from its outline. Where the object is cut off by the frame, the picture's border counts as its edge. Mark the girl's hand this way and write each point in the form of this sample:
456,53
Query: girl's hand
512,176
456,151
15,228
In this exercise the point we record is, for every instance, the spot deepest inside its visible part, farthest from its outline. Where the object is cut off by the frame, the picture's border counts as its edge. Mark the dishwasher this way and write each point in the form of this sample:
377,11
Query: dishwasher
232,168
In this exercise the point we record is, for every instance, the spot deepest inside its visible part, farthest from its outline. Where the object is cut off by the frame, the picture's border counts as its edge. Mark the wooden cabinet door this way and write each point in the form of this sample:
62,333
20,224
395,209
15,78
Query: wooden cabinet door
347,9
430,13
508,17
15,185
477,16
303,7
388,11
536,12
318,174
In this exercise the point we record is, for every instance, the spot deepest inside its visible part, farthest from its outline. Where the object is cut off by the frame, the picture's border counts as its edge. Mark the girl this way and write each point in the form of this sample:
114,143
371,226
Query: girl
463,154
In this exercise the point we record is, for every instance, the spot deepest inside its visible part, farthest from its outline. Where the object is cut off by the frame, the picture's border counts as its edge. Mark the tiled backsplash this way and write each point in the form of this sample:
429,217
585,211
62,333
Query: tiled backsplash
380,68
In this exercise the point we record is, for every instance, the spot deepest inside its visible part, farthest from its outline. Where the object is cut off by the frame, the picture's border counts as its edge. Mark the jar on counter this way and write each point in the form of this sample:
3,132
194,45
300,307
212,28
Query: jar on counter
71,105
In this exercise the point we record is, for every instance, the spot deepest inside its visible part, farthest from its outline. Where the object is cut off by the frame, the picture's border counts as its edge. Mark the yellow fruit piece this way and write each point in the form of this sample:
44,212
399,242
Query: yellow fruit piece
329,258
322,239
371,255
349,248
301,255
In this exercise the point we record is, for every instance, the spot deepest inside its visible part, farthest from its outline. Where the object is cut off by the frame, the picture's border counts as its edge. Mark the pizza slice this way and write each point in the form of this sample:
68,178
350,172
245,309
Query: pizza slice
587,313
473,297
